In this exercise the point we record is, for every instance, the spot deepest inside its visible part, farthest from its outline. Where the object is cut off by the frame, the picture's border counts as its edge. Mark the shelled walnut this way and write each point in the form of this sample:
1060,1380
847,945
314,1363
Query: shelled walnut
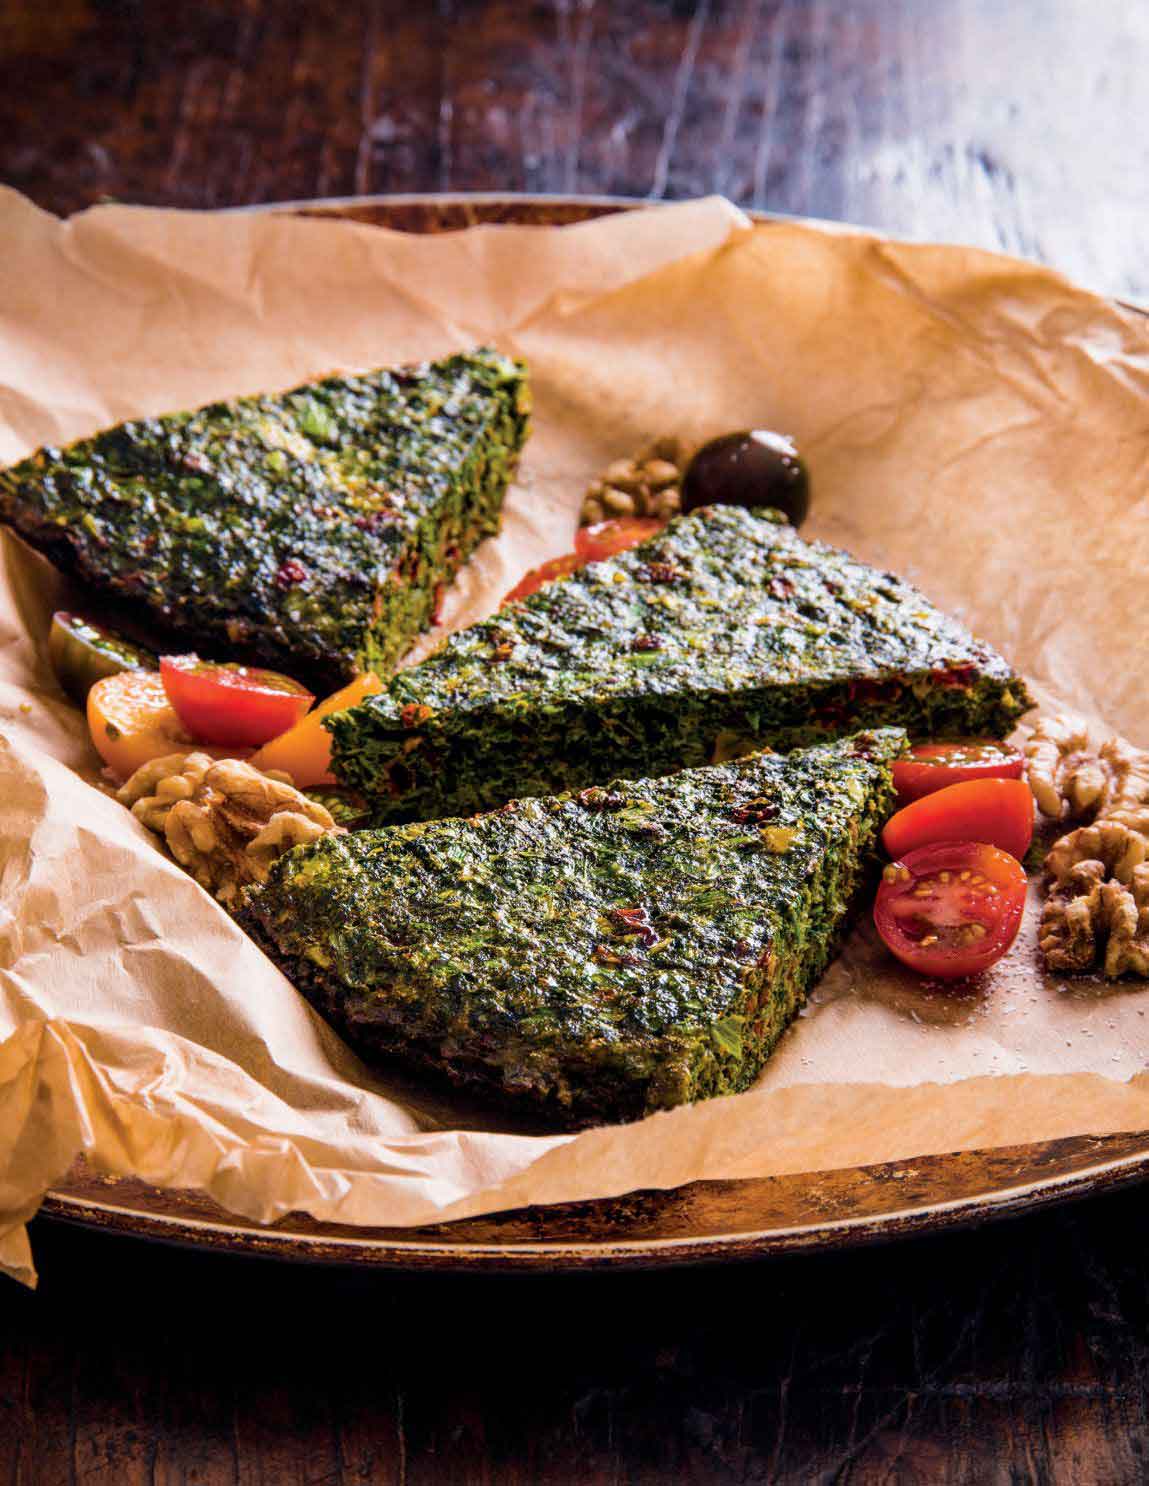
1088,919
1065,775
1126,797
1110,843
647,485
224,821
1097,912
1072,780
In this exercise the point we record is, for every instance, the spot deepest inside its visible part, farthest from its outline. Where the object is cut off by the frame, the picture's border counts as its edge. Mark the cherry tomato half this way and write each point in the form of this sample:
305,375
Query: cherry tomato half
131,721
933,766
83,653
951,909
592,544
558,567
606,538
236,706
997,811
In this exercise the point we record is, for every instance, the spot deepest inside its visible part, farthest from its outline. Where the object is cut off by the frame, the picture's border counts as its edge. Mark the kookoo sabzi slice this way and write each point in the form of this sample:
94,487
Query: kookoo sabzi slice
723,633
596,955
310,531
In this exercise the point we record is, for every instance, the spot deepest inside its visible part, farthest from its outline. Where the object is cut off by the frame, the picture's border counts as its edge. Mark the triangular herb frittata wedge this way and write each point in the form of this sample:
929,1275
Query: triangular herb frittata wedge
723,633
309,531
600,955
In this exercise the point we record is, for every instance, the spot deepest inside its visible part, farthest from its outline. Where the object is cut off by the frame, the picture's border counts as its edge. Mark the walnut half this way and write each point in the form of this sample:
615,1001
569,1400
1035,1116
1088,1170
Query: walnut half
1113,846
1073,780
1089,922
1096,915
1126,798
1065,775
224,821
647,485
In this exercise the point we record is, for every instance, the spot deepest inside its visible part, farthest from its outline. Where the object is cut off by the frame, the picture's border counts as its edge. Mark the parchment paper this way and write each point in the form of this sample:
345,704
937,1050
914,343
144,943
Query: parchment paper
978,424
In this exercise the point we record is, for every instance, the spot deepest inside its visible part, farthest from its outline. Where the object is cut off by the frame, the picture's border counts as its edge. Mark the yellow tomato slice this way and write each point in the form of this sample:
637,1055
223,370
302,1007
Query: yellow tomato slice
131,721
304,751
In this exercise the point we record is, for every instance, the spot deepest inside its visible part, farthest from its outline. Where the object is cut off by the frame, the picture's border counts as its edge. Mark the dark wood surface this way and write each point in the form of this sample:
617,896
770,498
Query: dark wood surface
1013,1354
1016,124
1018,1353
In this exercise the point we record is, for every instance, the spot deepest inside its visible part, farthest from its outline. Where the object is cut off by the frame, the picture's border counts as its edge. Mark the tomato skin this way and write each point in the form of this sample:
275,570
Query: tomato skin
83,653
232,706
132,722
304,751
951,909
606,538
558,567
934,766
998,812
592,544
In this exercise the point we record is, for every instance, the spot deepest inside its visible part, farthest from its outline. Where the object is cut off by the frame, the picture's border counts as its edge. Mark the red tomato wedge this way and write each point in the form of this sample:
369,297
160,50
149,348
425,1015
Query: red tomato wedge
234,706
131,722
605,538
996,811
933,766
592,544
951,909
558,567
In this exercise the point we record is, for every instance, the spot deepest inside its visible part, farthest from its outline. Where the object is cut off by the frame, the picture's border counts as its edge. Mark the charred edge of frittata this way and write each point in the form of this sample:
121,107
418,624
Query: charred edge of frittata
378,1044
321,673
409,602
165,633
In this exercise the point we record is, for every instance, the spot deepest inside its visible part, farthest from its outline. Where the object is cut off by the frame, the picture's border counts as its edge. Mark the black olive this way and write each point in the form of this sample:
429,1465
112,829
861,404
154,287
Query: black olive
750,468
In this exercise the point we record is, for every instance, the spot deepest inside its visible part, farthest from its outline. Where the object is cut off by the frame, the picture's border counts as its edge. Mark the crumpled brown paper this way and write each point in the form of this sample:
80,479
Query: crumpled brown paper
976,423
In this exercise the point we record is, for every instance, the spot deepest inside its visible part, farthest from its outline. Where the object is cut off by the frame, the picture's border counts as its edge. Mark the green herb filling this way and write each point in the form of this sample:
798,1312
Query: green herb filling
633,947
721,634
311,531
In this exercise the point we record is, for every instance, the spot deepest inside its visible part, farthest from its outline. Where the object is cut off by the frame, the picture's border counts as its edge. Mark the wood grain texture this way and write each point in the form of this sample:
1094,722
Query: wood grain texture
1018,1353
1015,126
1011,1355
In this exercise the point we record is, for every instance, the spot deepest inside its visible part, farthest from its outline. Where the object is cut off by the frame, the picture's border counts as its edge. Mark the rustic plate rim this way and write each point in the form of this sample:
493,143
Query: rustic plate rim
551,1256
199,1233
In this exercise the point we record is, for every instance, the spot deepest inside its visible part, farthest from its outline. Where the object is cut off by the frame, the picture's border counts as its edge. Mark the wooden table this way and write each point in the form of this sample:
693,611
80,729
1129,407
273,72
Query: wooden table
1020,1352
1014,125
